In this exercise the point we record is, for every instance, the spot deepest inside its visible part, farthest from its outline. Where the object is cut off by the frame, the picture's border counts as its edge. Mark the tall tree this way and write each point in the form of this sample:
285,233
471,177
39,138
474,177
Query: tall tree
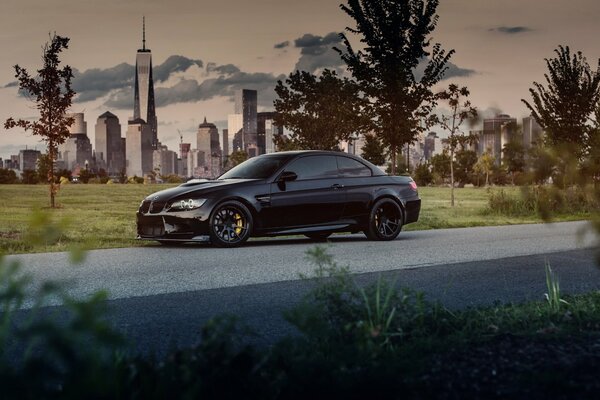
440,165
319,110
373,150
465,161
563,108
396,66
514,158
51,92
485,165
461,110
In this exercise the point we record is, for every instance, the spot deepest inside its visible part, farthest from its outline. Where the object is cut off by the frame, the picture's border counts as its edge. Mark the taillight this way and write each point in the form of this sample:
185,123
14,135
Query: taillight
413,185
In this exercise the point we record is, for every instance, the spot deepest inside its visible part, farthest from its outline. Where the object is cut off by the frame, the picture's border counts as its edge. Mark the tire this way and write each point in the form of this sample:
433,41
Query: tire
318,236
385,220
230,224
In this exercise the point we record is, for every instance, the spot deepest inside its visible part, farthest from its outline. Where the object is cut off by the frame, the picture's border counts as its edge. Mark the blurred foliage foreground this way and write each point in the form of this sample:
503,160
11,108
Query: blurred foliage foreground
351,342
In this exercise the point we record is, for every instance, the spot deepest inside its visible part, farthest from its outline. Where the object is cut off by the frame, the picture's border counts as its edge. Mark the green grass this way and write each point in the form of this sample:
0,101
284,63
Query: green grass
103,216
96,216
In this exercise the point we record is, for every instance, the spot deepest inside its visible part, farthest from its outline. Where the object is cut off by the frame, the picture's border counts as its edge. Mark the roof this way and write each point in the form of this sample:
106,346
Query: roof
206,124
108,114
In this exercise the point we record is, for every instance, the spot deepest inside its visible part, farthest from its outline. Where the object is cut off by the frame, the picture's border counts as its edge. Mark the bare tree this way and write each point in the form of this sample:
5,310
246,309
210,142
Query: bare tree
461,110
51,92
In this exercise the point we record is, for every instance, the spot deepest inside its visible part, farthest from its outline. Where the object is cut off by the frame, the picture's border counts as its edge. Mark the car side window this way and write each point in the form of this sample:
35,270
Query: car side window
350,168
314,167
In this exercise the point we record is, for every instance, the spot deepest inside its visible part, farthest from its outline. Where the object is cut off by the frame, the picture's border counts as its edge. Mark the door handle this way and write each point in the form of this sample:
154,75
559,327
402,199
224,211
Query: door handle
337,186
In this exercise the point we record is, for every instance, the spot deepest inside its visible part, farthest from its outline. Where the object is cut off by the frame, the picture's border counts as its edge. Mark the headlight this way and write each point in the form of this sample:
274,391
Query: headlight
184,205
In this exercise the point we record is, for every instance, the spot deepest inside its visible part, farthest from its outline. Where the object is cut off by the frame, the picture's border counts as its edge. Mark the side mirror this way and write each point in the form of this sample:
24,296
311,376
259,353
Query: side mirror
287,176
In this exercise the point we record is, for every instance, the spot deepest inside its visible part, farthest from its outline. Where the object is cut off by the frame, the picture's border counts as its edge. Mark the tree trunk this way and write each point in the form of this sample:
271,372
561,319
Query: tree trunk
393,154
51,156
451,177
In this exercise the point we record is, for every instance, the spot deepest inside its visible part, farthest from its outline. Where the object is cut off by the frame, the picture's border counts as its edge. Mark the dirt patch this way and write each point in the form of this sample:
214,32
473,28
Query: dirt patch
540,367
13,235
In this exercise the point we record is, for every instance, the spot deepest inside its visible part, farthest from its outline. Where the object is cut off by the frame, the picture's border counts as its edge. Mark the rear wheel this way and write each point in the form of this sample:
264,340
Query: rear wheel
385,220
318,236
230,224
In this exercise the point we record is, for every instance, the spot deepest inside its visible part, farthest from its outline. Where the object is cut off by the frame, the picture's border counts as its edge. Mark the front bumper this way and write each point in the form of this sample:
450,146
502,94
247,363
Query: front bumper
171,228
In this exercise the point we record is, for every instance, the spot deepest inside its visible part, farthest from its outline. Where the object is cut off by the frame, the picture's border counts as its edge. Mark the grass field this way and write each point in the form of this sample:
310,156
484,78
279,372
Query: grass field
103,216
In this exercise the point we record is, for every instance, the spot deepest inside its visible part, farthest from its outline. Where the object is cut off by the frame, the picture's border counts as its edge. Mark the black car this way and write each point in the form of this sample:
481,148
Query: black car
314,193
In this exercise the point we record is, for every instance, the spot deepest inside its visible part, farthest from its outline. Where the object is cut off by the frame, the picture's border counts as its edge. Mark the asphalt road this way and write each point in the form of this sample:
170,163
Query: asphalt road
160,296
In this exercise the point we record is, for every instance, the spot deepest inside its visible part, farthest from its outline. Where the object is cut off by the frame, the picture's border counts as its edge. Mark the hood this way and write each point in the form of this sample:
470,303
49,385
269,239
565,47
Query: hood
196,186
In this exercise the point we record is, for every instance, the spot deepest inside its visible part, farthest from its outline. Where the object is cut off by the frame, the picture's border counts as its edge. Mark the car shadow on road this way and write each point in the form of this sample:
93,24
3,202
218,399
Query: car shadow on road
284,240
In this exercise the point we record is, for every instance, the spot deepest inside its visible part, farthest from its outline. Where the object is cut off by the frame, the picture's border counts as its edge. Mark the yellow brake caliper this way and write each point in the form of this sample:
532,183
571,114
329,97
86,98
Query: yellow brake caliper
239,222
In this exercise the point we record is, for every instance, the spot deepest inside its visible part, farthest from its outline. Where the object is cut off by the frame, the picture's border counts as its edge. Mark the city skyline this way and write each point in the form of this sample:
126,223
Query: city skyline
199,61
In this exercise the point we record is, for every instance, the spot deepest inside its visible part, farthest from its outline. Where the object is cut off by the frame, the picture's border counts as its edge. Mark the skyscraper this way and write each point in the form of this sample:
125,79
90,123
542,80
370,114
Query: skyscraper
266,131
139,148
77,149
246,105
144,107
235,133
208,143
109,150
496,133
532,132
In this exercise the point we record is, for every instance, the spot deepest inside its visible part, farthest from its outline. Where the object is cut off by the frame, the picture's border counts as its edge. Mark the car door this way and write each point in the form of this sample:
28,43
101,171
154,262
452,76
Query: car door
356,178
315,197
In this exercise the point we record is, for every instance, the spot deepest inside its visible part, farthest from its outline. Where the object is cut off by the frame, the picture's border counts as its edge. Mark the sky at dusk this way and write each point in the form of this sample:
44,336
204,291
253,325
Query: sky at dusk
205,50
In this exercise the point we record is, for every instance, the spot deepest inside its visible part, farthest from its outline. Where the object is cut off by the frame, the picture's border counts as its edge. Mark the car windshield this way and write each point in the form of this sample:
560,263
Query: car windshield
260,167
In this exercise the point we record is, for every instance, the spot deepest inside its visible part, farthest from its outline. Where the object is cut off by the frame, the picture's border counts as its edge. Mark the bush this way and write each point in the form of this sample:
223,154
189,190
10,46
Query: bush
8,176
135,179
544,201
423,175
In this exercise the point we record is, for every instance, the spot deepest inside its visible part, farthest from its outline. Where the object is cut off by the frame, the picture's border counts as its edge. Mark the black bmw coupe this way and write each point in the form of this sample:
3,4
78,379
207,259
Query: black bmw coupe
314,193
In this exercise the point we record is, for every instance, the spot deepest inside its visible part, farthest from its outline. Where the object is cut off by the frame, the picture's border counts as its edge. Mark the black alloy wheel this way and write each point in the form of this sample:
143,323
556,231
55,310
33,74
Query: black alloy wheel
318,236
385,220
230,224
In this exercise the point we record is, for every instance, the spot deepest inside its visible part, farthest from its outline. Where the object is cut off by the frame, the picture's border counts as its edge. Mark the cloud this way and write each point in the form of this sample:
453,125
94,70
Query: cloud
282,45
454,71
172,65
96,83
227,69
511,30
190,90
316,52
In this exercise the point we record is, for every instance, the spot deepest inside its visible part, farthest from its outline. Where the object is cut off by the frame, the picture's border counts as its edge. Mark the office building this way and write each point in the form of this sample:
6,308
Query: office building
266,132
532,133
225,142
235,137
139,148
207,140
110,154
28,159
164,161
76,151
246,104
496,133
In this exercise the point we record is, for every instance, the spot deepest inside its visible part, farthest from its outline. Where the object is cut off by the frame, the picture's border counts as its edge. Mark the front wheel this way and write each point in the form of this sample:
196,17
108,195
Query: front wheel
385,220
230,224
